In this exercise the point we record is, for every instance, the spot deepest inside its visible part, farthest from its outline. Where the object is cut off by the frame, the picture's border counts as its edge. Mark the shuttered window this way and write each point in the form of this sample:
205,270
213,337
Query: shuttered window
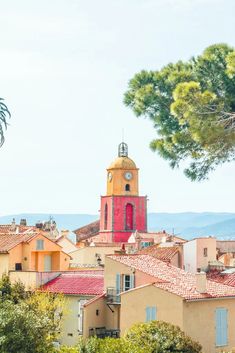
40,244
221,318
150,313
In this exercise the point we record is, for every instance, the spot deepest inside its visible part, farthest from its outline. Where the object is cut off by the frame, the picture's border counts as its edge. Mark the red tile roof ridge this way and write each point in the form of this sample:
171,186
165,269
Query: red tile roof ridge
87,275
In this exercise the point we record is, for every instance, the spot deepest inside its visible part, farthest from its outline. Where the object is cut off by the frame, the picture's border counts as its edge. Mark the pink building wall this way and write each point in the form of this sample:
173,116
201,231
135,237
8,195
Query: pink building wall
116,220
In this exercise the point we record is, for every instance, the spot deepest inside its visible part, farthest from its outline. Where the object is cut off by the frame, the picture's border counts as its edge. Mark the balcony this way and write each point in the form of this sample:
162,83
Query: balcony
102,332
113,296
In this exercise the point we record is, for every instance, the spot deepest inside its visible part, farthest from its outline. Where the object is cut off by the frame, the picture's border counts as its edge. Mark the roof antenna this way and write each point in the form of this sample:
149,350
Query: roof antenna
122,134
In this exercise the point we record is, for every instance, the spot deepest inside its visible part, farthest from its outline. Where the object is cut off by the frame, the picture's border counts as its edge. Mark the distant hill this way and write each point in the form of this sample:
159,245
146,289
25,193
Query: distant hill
186,224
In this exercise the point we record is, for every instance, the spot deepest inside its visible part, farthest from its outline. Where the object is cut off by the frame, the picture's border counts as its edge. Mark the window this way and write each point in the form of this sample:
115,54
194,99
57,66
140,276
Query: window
80,314
18,266
145,244
205,252
221,318
129,216
126,282
40,244
105,216
151,313
127,187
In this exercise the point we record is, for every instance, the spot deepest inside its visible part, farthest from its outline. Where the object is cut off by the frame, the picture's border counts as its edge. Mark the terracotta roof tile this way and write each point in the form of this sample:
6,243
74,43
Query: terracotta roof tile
162,253
9,241
19,229
217,276
87,231
225,246
82,283
173,279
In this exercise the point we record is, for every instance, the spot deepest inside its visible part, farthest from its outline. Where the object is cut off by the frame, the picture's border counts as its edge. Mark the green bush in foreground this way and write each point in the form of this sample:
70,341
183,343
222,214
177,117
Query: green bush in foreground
151,337
161,337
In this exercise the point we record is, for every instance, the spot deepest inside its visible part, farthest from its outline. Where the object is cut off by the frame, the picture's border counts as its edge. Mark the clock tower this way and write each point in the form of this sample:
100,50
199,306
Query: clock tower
123,211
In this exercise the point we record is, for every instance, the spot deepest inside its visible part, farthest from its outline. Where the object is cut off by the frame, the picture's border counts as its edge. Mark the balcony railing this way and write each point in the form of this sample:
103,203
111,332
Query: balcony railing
102,332
113,296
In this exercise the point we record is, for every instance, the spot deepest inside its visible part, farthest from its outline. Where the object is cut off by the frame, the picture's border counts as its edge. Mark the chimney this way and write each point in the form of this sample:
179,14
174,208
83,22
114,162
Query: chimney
201,282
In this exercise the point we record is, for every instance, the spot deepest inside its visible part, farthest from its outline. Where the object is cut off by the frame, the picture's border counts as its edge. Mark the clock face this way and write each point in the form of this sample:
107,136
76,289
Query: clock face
128,175
110,176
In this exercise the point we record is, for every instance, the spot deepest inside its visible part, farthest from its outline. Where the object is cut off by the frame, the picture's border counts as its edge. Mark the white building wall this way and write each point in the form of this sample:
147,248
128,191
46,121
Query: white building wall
190,256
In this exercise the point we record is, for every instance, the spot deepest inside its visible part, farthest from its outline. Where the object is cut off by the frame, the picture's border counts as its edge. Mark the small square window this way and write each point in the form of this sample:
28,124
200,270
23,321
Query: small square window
40,244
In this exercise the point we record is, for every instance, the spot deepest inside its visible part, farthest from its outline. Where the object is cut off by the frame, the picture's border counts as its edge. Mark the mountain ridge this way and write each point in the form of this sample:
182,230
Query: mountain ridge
185,224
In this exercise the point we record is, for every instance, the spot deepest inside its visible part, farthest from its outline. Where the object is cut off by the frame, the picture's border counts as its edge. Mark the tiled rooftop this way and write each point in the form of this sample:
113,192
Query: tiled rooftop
9,241
158,237
160,253
228,279
18,229
173,279
87,231
80,283
225,246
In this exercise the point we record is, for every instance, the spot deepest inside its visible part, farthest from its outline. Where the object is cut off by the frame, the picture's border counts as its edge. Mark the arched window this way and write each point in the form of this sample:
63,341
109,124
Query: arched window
105,216
129,216
127,187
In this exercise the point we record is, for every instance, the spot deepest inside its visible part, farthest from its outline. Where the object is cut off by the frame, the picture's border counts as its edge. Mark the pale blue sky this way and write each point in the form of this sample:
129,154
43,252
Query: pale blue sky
65,65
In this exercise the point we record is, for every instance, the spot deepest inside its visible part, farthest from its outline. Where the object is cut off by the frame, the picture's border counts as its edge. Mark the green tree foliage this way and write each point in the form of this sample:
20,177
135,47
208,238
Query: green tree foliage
151,337
161,337
4,115
29,323
192,107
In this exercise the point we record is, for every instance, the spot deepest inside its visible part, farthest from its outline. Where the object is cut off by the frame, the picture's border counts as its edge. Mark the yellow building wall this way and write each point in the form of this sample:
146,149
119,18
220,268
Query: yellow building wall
27,258
4,264
29,279
64,261
117,185
134,302
105,318
15,256
69,325
199,323
113,267
66,245
87,254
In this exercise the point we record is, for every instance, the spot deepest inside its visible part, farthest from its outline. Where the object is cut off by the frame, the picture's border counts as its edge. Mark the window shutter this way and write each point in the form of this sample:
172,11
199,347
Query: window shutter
154,313
118,283
148,314
221,327
132,281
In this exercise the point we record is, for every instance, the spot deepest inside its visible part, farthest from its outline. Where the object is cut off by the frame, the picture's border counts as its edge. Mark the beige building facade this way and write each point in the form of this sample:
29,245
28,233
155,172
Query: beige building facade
140,288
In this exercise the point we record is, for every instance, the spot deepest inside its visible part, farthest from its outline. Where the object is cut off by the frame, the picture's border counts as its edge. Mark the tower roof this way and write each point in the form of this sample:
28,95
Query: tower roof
122,163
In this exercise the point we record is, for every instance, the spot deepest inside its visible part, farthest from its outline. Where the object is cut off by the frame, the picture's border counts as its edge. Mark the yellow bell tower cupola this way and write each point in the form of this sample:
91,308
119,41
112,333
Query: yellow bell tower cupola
122,174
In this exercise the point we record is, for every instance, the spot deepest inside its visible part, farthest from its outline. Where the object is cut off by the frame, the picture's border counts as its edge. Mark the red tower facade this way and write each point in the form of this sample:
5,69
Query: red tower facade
122,210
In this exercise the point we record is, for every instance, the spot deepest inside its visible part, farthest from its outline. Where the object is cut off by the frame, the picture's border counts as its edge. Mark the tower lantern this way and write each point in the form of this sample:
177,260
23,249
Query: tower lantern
122,150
